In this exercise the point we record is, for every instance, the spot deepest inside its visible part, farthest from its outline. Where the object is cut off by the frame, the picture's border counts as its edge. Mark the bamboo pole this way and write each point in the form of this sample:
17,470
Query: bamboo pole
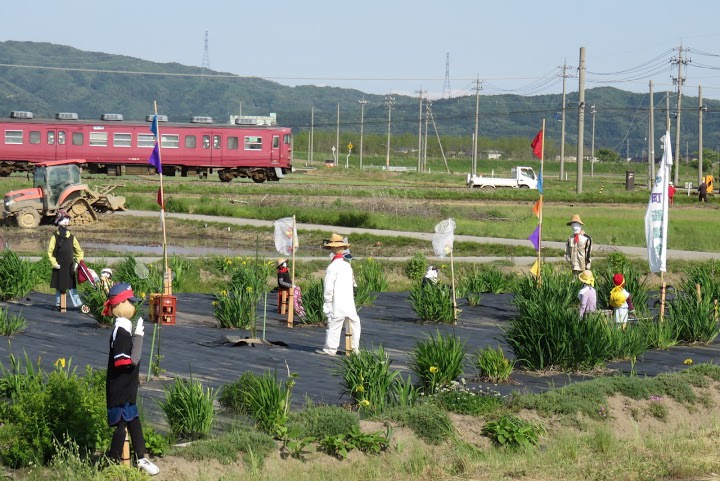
348,337
662,299
540,216
291,299
454,297
698,292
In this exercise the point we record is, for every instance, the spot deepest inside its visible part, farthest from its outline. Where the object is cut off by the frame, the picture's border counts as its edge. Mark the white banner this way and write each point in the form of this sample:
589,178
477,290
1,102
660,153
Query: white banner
285,236
656,217
444,237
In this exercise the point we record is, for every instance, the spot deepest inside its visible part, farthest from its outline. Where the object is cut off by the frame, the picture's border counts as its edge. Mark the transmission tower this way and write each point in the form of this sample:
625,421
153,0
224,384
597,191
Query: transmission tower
206,56
446,85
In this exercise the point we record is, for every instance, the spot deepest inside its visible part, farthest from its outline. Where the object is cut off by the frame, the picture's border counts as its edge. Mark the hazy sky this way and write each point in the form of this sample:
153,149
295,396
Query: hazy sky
396,45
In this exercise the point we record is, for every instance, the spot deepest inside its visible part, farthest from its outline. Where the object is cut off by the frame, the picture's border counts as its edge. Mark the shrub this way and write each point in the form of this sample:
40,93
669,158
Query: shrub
416,266
188,409
432,303
693,320
492,364
232,395
511,431
436,361
236,309
707,274
312,296
127,271
404,392
267,401
368,379
428,422
459,399
17,276
253,444
321,421
10,323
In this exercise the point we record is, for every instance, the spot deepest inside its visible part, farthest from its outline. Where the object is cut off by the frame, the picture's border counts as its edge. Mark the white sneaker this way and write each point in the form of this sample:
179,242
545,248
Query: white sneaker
147,466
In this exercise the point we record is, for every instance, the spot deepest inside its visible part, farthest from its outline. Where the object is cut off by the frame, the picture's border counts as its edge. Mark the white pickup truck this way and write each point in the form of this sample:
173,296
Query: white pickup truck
521,177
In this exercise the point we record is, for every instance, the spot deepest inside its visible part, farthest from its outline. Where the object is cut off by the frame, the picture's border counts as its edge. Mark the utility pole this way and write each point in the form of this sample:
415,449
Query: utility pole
627,150
312,134
478,86
581,121
389,103
428,107
679,81
362,128
592,144
419,165
337,134
564,68
700,134
651,139
667,112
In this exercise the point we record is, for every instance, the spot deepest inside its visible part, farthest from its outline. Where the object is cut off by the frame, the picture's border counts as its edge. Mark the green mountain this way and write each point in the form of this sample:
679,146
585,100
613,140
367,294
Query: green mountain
92,83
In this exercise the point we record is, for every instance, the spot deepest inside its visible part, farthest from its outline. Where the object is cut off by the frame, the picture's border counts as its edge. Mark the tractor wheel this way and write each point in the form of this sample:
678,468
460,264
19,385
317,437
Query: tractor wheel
81,213
28,218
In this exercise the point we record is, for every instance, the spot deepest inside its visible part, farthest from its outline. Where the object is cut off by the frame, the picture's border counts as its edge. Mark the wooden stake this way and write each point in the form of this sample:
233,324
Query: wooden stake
291,300
126,450
716,309
348,337
454,297
699,293
63,302
662,302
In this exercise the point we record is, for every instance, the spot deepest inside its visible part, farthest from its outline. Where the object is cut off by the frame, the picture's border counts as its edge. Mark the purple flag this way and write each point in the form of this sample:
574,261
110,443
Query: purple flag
155,158
535,238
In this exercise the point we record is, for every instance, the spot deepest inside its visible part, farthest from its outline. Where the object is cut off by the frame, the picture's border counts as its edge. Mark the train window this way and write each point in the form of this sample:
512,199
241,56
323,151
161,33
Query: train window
35,137
276,141
146,140
206,141
98,139
217,143
51,137
61,137
190,141
78,138
253,143
232,143
170,141
122,140
286,139
13,136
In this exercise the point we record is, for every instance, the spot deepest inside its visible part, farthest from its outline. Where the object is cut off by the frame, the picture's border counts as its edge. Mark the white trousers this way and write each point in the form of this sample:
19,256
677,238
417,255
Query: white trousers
74,298
332,334
621,315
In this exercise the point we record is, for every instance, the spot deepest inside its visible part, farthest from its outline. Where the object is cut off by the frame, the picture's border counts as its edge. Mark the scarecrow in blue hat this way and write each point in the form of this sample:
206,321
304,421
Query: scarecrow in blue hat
123,376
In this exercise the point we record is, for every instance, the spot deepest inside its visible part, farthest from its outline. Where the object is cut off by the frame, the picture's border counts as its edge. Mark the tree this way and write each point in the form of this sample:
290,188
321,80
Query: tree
608,155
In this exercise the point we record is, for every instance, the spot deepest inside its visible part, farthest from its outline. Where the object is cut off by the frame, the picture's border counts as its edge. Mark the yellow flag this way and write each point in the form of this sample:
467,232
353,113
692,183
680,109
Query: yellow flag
535,269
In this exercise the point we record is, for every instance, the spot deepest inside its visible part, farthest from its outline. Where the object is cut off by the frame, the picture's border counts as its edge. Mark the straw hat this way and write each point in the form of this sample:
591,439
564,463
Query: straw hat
280,261
336,240
586,277
575,218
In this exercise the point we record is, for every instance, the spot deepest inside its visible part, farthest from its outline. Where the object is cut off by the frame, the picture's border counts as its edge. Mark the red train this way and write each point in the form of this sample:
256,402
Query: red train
116,147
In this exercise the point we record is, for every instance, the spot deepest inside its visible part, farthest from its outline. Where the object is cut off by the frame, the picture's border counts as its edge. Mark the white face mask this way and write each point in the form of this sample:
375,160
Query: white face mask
64,222
576,228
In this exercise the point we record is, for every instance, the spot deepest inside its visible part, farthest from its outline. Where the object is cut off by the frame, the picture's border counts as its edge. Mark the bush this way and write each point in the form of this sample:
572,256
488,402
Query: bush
370,279
693,320
433,303
10,323
232,395
253,444
236,309
492,364
512,432
188,409
416,266
707,274
127,271
368,379
266,400
458,399
321,421
312,296
428,422
17,276
437,361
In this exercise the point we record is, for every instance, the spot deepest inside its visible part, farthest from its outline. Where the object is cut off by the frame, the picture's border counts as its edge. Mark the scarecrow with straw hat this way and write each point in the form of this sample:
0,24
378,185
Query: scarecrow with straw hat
64,253
123,376
284,286
578,246
339,299
587,295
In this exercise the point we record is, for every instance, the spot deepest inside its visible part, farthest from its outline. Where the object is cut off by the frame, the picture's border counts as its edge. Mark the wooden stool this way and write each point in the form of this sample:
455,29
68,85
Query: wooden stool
283,296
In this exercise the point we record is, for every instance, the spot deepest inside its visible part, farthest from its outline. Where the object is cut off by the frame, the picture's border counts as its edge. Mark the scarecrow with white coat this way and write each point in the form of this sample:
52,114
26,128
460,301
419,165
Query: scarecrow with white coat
578,246
339,299
123,376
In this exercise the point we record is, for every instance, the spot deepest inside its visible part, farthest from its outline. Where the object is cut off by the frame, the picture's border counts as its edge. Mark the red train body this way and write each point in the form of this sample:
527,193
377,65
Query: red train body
117,147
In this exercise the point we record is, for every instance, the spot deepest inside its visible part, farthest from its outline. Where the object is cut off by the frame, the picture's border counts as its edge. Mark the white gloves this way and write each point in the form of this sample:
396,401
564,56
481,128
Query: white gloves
140,328
56,267
74,266
327,308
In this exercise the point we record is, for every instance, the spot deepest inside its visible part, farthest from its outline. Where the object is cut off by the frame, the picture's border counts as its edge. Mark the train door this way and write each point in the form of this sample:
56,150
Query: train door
275,150
205,151
216,149
55,144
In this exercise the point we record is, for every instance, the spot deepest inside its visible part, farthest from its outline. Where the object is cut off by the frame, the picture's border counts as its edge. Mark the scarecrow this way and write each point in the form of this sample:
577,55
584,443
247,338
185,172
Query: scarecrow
621,301
123,376
578,246
106,281
431,276
339,299
64,253
587,295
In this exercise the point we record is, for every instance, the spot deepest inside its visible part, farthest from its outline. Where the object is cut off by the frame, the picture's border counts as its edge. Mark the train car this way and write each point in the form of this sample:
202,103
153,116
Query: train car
116,147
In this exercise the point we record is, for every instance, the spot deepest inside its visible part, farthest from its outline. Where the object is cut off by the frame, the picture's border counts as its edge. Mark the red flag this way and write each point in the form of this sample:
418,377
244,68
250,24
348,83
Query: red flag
537,145
161,198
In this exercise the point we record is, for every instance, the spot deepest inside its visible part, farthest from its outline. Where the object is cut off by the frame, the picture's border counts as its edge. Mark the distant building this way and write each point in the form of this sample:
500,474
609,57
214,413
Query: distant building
254,119
490,154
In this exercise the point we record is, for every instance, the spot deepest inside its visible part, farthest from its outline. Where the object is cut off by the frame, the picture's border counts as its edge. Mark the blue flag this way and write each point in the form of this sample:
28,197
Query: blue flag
540,183
155,158
154,126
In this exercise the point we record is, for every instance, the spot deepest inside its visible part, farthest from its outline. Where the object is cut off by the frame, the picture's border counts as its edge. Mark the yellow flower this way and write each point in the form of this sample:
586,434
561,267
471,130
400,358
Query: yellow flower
433,369
228,262
223,292
360,388
443,266
60,362
364,403
243,262
142,295
248,289
688,362
215,303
